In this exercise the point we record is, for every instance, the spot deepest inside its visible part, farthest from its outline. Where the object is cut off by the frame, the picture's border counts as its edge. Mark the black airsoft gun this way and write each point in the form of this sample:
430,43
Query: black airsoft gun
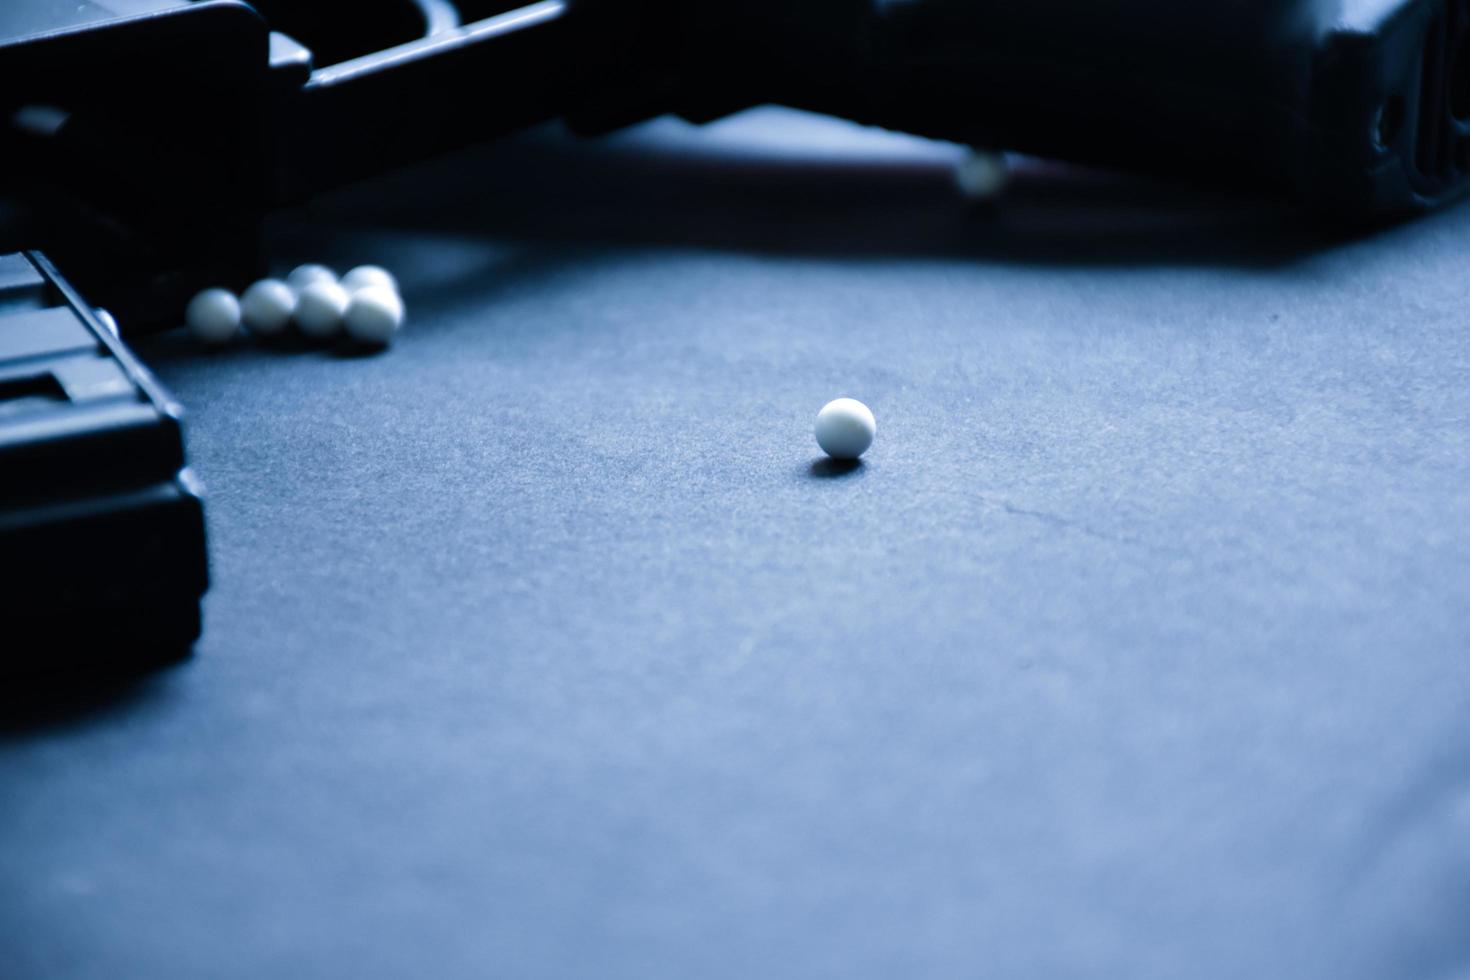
143,141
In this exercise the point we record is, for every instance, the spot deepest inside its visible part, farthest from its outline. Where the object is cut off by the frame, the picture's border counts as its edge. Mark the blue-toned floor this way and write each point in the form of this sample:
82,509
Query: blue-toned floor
1140,645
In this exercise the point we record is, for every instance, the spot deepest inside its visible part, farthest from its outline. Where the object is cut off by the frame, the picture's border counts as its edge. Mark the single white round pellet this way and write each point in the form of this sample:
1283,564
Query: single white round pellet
368,275
108,321
982,175
267,307
319,308
845,428
374,314
213,315
304,275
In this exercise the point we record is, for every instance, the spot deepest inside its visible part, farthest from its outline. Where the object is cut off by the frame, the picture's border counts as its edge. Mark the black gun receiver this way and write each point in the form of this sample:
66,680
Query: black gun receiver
101,525
143,141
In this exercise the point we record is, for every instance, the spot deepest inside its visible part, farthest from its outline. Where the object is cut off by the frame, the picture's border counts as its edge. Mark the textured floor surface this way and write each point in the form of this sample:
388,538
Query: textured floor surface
539,646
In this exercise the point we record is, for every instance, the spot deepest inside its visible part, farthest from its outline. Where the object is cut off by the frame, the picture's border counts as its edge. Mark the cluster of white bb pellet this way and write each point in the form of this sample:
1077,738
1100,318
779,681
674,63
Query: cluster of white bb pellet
365,304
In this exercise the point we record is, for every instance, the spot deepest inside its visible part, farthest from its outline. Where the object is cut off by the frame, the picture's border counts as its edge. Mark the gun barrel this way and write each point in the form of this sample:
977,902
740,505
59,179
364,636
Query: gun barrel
459,84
